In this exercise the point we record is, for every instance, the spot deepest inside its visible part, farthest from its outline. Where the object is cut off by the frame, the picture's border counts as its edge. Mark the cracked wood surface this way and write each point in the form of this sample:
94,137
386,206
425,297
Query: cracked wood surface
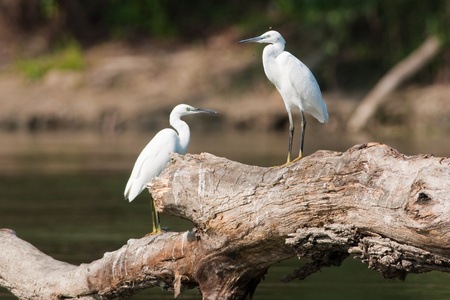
372,187
391,211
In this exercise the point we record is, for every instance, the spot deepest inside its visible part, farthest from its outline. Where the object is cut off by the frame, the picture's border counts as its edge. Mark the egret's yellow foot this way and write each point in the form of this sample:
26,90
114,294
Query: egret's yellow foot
288,162
298,158
156,229
283,165
154,232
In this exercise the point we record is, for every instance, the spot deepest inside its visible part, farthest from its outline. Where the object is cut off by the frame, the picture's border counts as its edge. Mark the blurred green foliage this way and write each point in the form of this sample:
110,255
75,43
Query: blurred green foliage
351,42
66,56
49,8
399,24
149,17
181,19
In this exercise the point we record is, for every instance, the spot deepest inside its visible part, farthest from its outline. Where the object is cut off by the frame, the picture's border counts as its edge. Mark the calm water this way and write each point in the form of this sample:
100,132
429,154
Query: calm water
62,192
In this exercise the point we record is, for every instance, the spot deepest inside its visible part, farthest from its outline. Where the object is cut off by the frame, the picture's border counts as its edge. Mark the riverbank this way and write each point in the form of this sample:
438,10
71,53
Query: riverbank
124,88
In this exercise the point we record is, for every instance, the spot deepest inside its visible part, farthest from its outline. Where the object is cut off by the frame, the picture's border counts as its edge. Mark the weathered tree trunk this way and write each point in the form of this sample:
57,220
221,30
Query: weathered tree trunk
391,211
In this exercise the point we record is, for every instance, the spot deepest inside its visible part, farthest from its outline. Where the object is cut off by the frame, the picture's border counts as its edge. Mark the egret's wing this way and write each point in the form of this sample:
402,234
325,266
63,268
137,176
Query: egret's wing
298,75
151,162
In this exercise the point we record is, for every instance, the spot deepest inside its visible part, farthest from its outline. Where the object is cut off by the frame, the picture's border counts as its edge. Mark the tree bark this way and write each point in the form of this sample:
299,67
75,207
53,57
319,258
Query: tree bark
389,82
391,211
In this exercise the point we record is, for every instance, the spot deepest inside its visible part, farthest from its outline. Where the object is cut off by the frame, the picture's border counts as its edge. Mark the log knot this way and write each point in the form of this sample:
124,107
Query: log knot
423,198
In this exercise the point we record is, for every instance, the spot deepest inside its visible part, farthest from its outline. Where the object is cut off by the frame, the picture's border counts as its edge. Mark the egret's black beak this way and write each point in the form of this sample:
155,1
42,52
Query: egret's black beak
254,40
200,110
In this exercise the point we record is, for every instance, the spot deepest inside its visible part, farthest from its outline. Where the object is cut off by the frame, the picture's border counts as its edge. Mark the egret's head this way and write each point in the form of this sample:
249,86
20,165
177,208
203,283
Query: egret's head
270,37
184,110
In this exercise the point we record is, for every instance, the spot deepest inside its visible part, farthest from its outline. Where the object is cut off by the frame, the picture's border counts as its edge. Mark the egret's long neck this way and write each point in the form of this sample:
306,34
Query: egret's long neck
183,132
273,50
271,68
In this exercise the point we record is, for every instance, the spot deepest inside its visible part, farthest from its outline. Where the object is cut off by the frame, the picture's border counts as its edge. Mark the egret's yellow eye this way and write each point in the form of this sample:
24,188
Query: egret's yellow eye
268,35
188,109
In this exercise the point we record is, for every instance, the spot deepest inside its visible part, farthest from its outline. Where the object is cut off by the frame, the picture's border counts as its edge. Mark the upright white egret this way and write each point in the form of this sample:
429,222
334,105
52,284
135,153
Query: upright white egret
295,82
155,156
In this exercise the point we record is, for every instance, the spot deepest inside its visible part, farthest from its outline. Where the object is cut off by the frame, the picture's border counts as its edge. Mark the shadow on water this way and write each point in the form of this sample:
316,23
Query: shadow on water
63,193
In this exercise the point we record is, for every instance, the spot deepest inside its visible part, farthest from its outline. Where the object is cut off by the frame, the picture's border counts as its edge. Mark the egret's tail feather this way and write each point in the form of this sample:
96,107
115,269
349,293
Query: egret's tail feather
322,117
325,118
132,191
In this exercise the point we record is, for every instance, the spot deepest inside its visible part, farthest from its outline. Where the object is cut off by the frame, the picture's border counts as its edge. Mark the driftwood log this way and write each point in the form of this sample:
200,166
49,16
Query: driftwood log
389,210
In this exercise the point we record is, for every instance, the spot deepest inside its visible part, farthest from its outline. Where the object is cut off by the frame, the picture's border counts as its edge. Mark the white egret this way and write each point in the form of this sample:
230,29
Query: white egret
155,156
295,82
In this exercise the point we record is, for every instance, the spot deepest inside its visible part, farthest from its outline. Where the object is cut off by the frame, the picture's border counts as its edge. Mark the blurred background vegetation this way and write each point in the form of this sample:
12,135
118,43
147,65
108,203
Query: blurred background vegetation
75,48
353,42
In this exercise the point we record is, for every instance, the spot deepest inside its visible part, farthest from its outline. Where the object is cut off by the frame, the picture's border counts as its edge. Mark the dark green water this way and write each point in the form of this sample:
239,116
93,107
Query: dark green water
64,193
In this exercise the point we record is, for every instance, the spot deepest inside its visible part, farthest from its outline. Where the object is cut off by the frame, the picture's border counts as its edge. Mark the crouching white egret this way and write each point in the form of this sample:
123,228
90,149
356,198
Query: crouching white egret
295,82
155,156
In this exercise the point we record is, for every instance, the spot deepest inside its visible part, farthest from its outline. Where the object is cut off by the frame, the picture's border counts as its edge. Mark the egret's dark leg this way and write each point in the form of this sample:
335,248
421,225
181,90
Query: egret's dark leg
156,218
300,154
291,136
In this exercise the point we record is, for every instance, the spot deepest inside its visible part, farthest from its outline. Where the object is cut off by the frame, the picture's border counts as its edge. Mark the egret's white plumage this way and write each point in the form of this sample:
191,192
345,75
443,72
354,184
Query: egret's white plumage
295,82
155,156
152,161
